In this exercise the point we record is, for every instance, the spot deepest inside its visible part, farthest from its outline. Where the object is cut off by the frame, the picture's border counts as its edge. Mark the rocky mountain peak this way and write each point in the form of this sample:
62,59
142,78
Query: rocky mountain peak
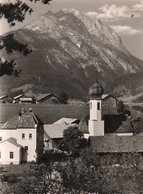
70,51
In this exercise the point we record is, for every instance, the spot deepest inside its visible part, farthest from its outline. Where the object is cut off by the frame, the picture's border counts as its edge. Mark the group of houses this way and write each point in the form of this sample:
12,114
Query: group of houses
24,136
24,99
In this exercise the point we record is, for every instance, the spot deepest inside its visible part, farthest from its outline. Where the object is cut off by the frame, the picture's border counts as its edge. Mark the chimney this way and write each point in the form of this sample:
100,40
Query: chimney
30,109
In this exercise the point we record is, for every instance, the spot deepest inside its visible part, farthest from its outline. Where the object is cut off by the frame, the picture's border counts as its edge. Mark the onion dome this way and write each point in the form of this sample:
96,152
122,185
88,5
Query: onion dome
95,91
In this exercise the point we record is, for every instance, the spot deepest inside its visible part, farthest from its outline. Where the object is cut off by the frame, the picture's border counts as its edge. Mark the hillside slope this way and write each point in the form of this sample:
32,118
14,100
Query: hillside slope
70,52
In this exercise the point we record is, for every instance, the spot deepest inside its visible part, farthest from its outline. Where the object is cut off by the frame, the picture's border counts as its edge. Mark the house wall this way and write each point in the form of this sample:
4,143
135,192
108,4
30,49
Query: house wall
8,133
17,134
31,143
109,102
5,149
52,143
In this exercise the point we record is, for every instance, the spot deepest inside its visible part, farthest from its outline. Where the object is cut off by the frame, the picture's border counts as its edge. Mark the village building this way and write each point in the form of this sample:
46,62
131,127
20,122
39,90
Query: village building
53,134
3,98
26,100
16,98
47,98
67,121
109,100
21,138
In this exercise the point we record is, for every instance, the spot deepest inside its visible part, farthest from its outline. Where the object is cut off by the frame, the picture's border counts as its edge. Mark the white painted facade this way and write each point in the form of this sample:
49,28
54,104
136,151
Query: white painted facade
7,149
96,124
25,137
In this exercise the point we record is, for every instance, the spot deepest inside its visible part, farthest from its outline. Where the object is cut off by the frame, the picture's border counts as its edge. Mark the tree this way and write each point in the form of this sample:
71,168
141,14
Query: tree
73,140
14,11
40,179
137,124
120,107
63,98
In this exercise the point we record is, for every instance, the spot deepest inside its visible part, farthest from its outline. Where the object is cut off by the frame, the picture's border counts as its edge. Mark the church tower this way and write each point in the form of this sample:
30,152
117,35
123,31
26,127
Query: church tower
96,124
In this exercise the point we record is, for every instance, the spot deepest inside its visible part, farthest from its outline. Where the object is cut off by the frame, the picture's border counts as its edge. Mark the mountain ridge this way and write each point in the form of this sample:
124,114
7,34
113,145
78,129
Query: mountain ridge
70,52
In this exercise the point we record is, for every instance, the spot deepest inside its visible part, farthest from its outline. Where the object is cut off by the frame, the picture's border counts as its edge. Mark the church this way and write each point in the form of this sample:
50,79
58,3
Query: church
24,134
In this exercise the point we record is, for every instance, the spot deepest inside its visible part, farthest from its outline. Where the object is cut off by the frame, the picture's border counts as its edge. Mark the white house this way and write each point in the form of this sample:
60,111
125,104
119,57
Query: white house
10,151
23,133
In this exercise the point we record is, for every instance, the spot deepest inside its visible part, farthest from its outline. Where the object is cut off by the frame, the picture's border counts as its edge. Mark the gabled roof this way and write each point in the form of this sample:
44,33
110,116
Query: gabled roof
106,96
117,144
83,125
21,120
3,97
125,127
55,130
42,96
18,96
12,141
66,121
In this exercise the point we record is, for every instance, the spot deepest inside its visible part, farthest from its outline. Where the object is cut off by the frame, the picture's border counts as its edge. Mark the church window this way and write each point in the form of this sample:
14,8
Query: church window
98,106
23,135
11,155
30,135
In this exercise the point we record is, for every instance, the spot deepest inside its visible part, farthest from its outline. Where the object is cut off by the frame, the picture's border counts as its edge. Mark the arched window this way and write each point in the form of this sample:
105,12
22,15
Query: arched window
98,106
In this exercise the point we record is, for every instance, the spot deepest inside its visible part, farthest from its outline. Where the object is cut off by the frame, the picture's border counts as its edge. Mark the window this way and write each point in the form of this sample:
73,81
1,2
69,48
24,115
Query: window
0,138
30,135
26,148
23,135
0,154
11,155
98,106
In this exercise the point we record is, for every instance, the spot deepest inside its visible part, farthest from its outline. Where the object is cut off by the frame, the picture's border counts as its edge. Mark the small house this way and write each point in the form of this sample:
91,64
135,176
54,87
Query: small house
53,134
26,100
3,98
16,98
47,99
66,121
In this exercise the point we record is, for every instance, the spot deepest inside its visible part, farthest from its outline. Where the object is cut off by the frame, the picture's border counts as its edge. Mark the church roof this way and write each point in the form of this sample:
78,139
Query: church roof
96,90
83,125
117,144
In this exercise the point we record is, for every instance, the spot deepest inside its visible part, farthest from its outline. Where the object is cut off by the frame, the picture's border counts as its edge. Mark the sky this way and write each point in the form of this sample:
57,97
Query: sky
124,16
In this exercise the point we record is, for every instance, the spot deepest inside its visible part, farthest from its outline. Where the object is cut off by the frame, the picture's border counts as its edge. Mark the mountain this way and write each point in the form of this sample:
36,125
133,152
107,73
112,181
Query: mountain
69,52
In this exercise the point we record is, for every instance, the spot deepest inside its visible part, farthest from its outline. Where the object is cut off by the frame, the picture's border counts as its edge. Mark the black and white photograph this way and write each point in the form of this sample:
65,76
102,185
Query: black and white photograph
71,96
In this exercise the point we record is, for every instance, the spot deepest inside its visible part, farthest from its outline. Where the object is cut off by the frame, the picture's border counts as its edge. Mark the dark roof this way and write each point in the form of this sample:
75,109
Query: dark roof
47,113
113,143
21,120
12,141
125,127
40,97
107,96
3,97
